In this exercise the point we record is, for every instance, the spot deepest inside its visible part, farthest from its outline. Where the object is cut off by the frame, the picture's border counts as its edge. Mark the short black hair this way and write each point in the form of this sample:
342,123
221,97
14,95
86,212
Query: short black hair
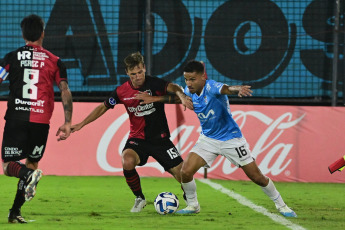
32,27
194,66
133,60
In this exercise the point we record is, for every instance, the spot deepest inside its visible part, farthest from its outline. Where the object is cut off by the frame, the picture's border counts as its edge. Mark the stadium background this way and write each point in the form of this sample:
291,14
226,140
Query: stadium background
289,51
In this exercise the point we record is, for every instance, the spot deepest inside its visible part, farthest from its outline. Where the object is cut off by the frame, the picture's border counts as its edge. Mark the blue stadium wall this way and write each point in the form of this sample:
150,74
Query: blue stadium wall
284,49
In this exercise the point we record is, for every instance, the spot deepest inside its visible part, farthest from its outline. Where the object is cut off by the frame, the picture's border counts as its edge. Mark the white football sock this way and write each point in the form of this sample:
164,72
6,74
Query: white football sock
190,191
271,191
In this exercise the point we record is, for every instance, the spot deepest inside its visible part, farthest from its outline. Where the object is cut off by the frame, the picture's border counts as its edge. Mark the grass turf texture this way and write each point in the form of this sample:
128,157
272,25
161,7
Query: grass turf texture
104,203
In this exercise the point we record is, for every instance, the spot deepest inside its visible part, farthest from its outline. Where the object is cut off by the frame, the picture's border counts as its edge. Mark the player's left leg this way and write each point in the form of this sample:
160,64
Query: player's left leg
19,170
14,145
253,172
14,215
176,172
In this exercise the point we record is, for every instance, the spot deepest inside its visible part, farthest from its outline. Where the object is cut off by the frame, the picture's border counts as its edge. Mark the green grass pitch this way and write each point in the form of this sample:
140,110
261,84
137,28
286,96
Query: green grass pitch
64,202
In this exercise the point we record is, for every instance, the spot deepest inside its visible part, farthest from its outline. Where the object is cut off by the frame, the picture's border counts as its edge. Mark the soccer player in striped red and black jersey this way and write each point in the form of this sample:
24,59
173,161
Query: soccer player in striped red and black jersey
31,71
149,131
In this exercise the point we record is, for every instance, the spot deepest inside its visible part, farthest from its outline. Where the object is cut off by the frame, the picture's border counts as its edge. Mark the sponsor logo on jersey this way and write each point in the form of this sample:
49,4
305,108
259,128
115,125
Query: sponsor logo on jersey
128,98
12,151
133,143
34,103
40,56
37,152
29,109
22,55
203,116
142,110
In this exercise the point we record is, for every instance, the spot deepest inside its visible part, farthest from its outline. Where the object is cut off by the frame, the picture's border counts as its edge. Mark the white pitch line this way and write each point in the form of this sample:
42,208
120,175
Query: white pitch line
244,201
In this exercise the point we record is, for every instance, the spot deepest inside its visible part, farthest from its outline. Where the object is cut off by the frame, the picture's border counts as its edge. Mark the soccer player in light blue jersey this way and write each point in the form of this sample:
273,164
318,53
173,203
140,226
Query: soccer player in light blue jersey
220,136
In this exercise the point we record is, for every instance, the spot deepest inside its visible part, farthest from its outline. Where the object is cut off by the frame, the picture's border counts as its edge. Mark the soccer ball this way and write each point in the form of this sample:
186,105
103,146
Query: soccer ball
166,202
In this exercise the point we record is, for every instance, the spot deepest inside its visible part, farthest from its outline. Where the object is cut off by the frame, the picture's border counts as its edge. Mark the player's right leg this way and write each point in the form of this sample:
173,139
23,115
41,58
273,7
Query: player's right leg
130,159
190,166
30,190
254,173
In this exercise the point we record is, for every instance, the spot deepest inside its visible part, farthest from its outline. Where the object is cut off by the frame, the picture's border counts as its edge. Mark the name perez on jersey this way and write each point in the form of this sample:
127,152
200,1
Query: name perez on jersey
31,63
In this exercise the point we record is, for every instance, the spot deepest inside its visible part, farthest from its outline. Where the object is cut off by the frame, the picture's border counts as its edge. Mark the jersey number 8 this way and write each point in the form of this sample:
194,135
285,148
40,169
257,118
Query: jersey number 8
30,78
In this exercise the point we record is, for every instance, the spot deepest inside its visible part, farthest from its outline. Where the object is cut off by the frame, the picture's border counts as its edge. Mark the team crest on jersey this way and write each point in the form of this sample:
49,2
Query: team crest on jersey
112,101
148,91
205,100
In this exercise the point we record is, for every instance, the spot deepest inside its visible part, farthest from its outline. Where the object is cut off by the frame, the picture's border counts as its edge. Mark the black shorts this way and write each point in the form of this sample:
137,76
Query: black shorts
23,139
162,150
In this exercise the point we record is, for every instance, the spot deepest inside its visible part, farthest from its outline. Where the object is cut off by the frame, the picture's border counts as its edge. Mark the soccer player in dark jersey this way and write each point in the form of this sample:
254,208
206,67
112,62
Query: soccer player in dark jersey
31,71
149,131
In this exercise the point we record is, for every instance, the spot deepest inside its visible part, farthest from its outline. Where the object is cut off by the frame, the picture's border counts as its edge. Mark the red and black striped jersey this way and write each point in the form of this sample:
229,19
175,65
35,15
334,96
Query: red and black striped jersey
31,71
146,121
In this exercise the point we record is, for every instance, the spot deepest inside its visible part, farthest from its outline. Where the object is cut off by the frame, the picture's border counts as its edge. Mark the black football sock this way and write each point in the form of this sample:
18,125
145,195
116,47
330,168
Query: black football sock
19,170
19,200
133,181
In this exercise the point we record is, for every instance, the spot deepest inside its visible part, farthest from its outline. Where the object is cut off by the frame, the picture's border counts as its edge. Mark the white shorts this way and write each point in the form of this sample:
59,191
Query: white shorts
235,150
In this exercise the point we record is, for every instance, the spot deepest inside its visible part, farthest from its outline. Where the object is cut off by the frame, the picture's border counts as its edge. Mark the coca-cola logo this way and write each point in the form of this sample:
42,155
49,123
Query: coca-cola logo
270,146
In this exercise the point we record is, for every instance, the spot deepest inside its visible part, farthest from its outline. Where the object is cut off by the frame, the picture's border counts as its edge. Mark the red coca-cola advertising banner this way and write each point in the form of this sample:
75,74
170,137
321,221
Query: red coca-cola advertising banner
290,143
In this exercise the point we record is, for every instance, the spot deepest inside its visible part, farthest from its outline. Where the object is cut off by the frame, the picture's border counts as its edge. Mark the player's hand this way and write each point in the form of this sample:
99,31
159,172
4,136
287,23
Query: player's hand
186,101
245,91
76,127
241,90
65,131
145,98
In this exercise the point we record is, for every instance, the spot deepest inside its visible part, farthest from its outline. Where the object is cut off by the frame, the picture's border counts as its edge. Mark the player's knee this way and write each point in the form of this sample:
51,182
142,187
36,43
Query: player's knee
186,173
4,168
128,163
259,180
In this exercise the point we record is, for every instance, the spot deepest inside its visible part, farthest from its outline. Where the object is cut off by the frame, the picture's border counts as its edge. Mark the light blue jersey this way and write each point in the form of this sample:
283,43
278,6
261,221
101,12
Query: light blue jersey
214,113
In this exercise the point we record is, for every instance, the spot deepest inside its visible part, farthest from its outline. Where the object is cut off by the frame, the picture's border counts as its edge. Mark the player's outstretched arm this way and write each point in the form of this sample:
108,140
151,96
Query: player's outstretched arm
185,100
146,98
96,113
66,98
240,90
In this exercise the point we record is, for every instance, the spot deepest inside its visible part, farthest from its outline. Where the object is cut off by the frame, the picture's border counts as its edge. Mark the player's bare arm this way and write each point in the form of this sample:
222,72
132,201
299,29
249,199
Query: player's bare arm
96,113
185,100
66,97
240,90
